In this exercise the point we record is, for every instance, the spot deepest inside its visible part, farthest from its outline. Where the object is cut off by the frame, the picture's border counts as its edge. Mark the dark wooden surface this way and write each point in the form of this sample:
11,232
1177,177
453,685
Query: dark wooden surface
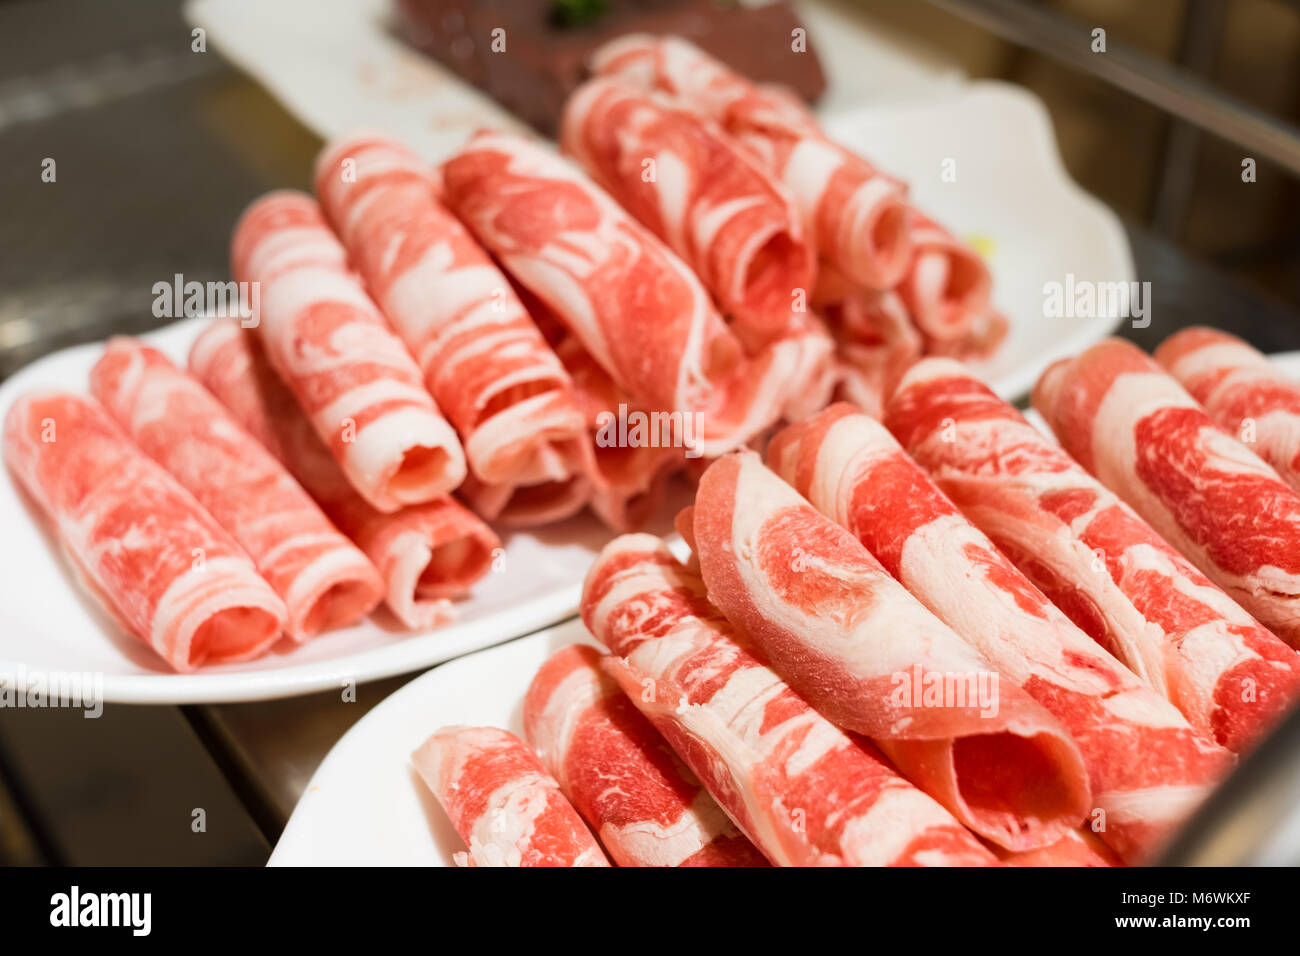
149,184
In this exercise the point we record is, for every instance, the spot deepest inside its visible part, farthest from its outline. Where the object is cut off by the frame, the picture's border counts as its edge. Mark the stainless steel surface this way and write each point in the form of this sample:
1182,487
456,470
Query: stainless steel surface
156,150
1254,818
1169,88
1175,181
273,747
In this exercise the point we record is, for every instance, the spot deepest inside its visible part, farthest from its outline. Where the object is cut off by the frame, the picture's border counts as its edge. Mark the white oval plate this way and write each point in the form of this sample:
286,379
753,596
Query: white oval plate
365,805
338,65
48,626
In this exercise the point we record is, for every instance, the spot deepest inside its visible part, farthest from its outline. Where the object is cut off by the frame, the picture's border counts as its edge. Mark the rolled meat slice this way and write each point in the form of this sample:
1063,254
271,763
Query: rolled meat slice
1076,848
140,543
323,579
853,471
871,658
857,217
1101,564
635,793
802,790
947,288
502,802
527,506
875,342
1208,495
426,554
699,192
1242,390
484,360
633,305
628,482
354,379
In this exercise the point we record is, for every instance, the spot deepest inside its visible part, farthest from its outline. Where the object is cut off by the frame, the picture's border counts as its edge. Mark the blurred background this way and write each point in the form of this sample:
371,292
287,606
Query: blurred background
158,149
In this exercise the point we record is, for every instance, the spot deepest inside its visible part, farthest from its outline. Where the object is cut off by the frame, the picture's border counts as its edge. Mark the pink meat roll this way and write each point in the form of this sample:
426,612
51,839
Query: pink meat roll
805,356
426,554
632,304
805,792
703,195
1101,564
484,360
1076,848
947,288
502,802
628,482
856,216
853,471
1242,390
527,506
871,658
323,579
1208,495
359,387
138,541
636,794
875,342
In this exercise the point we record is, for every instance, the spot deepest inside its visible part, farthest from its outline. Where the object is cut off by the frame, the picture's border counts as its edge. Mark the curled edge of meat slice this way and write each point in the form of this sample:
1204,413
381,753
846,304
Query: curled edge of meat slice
862,650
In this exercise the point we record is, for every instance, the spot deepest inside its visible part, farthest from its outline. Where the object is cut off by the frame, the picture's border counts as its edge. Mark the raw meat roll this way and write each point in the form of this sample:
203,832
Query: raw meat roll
857,217
501,801
140,543
871,658
947,288
699,192
1208,495
805,792
323,579
1117,579
851,469
628,482
1076,848
1241,390
359,387
632,304
875,343
527,506
627,783
426,553
485,362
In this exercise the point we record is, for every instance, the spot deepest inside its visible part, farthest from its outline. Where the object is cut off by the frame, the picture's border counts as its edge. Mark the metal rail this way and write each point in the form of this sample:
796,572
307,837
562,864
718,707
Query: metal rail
1169,88
1253,818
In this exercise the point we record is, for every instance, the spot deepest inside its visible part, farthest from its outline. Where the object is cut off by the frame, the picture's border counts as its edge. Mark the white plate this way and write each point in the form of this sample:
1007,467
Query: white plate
1289,363
365,805
47,624
338,65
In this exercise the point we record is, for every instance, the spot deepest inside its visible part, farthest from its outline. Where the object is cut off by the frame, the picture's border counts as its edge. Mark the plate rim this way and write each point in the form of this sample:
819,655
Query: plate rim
390,708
